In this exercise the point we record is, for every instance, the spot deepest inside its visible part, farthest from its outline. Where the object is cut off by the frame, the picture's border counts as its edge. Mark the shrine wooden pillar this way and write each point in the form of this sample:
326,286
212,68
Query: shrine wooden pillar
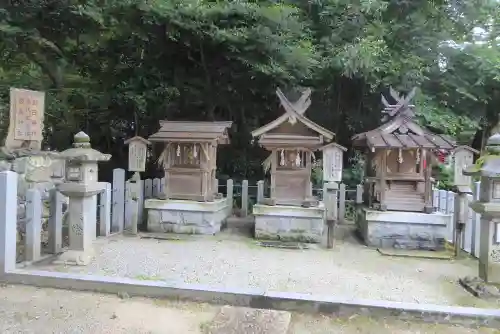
382,179
274,164
428,208
308,190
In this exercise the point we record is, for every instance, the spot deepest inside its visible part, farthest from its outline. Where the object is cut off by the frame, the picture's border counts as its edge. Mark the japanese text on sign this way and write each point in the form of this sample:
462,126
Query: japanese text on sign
137,157
28,114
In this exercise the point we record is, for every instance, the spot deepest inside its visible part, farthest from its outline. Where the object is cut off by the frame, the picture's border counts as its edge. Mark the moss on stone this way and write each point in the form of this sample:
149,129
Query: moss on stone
476,167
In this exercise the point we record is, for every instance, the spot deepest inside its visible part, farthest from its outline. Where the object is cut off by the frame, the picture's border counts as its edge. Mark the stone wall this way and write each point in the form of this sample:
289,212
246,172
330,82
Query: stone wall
40,170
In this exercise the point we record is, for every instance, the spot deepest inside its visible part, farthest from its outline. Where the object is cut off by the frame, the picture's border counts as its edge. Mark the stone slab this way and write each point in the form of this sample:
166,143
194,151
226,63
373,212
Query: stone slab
289,223
186,217
436,218
403,230
232,320
185,205
256,298
477,287
419,254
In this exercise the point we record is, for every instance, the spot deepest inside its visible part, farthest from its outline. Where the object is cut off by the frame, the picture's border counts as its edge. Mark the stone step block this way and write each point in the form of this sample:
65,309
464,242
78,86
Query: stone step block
231,320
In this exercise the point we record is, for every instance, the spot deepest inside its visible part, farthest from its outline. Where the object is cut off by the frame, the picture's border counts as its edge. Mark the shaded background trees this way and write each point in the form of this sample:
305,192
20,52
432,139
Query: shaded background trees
115,68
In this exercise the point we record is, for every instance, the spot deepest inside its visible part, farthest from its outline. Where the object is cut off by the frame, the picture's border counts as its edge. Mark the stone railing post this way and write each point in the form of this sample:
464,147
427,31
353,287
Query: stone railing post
8,218
118,198
33,237
260,192
229,195
105,210
244,198
55,221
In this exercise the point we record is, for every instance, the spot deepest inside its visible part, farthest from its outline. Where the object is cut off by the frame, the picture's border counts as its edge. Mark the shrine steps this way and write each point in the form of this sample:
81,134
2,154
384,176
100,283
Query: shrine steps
404,197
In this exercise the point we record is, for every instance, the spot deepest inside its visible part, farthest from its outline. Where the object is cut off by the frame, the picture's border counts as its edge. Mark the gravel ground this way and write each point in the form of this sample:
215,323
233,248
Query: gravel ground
25,309
349,271
308,324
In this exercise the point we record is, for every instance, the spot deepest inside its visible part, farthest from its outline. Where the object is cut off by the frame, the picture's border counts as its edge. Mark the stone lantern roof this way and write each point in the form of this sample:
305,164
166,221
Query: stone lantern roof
488,165
82,150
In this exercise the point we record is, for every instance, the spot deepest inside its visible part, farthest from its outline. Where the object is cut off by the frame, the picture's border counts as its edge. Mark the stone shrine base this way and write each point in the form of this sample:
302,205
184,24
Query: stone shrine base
186,217
407,230
289,223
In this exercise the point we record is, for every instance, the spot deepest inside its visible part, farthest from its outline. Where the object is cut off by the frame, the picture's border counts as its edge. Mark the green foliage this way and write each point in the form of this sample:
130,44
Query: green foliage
354,175
443,176
317,176
115,68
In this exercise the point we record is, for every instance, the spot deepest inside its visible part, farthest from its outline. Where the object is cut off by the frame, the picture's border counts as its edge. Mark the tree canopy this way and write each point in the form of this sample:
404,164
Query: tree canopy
113,68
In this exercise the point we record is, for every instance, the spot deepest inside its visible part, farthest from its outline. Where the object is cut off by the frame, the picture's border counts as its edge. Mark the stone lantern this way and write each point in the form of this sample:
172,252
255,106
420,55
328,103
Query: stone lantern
80,186
487,168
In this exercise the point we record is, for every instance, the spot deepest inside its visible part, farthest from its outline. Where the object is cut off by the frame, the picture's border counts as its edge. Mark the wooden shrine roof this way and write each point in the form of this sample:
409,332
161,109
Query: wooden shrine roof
400,130
185,131
403,137
293,112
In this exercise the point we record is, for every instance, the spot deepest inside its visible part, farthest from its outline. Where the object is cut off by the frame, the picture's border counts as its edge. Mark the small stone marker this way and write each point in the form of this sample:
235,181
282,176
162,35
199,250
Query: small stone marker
464,157
232,320
137,153
26,119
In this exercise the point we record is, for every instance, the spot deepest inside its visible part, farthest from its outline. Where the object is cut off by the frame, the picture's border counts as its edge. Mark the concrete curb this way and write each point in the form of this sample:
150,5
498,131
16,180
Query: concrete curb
255,298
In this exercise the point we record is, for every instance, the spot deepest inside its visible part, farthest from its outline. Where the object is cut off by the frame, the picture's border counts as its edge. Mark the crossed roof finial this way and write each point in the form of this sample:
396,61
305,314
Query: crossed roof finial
299,107
402,106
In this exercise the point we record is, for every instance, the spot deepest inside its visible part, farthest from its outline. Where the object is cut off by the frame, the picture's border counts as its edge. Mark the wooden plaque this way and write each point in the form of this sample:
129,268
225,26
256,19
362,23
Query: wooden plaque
26,117
137,152
332,164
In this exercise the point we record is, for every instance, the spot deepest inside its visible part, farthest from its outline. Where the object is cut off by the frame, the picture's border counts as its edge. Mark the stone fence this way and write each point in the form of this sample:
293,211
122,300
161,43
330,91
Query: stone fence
42,218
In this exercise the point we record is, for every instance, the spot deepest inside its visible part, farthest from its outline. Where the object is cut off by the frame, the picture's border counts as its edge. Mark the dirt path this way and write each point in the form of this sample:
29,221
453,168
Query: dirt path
25,309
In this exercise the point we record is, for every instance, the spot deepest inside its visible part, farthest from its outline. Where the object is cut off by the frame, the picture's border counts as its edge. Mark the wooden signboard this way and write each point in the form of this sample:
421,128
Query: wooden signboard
26,117
137,153
333,155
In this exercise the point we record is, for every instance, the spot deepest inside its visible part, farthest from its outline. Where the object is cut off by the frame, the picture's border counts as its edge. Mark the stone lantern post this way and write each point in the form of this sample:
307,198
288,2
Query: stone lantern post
488,205
80,185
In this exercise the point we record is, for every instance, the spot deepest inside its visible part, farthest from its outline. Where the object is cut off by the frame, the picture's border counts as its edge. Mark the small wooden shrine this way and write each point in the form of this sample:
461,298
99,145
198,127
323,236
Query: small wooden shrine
399,154
189,157
292,139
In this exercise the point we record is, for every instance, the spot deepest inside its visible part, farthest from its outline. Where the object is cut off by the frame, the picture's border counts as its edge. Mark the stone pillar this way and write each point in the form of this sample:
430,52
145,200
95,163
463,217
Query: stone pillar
135,187
81,221
488,206
244,198
260,192
489,252
461,216
330,194
8,196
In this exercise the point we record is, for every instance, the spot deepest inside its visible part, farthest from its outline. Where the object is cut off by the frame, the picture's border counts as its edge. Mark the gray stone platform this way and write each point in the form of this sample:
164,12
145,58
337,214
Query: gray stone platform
407,230
289,223
186,217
